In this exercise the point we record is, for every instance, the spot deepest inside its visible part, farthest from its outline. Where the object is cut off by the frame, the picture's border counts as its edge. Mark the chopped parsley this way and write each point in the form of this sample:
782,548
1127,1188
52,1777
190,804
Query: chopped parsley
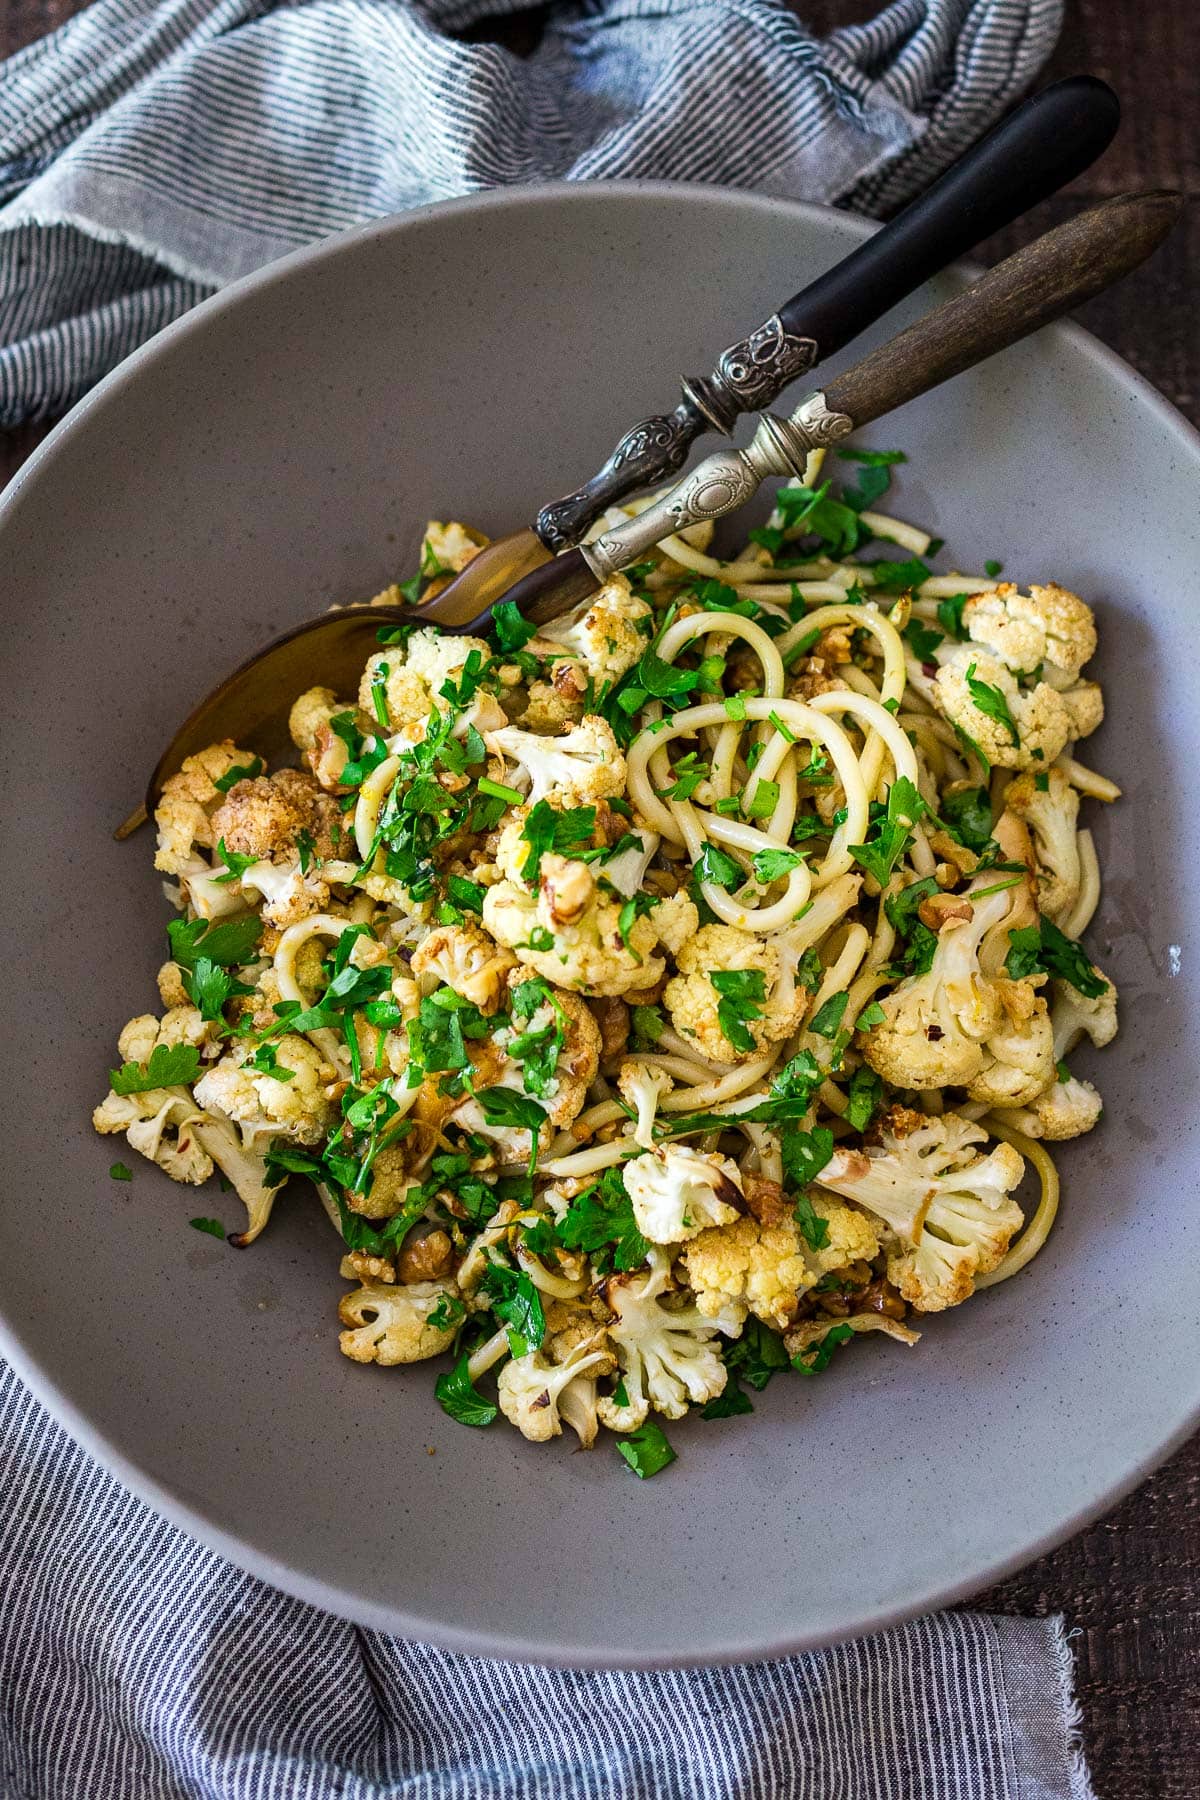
230,943
170,1065
992,703
865,1096
239,772
818,1356
891,831
213,1227
742,995
1043,948
813,1228
513,630
646,1450
120,1172
827,1019
600,1221
457,1395
517,1304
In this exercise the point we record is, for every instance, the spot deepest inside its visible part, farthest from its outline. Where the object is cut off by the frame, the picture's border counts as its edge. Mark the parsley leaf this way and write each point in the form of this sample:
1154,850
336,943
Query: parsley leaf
898,577
517,1304
757,1355
773,865
968,813
239,772
892,831
1044,948
213,1227
728,1404
805,1153
513,630
458,1396
918,941
229,943
713,865
646,1450
547,831
813,1228
870,1015
950,616
827,1019
504,1106
991,702
121,1172
865,1096
602,1216
170,1065
743,993
209,987
923,639
818,1356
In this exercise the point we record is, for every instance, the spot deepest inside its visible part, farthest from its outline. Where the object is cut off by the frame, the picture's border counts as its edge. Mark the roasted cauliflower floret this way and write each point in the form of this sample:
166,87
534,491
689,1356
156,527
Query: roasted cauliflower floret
265,817
1041,717
642,1087
536,1395
678,1192
769,1266
311,730
606,635
498,1063
266,1105
466,959
1049,806
405,681
390,1324
591,954
171,1127
451,545
1048,627
769,1010
184,814
947,1206
1068,1108
578,766
953,1026
667,1356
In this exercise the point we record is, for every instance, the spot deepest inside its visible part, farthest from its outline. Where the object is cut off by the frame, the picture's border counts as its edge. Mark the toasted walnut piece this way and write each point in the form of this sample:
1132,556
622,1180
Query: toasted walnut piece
567,888
425,1257
766,1199
371,1268
942,844
935,909
612,1016
900,1121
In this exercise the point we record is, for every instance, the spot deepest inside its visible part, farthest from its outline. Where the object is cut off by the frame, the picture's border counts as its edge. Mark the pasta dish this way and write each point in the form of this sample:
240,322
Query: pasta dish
660,998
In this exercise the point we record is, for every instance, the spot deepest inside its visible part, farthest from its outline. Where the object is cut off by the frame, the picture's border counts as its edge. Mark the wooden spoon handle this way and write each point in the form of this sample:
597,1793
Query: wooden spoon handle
1055,273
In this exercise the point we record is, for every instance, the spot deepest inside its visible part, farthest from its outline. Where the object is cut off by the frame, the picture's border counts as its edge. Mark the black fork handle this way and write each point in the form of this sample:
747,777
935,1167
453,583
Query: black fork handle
1045,143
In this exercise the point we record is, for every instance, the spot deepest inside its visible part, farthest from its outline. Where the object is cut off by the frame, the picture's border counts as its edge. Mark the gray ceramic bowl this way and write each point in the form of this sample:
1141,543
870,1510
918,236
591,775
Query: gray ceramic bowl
280,449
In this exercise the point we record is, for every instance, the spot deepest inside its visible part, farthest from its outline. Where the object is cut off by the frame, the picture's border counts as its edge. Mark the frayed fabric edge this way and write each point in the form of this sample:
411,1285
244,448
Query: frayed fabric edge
1078,1773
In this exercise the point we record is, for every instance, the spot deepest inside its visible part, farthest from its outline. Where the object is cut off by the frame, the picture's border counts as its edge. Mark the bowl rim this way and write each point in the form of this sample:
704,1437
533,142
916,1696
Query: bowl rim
186,1515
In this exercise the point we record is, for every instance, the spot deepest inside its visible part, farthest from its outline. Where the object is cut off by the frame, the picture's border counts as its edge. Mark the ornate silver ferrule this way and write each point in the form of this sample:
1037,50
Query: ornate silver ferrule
720,484
748,376
751,373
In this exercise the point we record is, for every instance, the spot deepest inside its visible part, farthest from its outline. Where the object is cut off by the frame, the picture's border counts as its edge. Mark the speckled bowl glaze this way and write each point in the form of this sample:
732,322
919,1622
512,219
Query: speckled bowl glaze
279,449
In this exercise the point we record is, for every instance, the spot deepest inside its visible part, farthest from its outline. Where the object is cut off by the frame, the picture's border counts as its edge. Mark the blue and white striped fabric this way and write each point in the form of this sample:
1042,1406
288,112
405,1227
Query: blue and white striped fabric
152,150
135,1665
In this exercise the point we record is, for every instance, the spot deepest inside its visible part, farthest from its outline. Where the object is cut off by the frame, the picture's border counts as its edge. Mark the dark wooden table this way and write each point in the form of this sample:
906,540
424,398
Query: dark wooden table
1130,1584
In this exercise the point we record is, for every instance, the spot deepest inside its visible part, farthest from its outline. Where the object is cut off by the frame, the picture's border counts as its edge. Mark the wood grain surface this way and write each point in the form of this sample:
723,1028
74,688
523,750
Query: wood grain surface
1129,1585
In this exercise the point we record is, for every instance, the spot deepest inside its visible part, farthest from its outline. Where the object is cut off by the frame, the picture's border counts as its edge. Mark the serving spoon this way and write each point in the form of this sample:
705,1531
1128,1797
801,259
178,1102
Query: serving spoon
1038,284
1045,143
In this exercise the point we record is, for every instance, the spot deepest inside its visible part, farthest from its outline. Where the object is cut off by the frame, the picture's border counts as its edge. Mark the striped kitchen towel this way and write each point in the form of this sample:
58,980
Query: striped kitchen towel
135,1665
152,150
